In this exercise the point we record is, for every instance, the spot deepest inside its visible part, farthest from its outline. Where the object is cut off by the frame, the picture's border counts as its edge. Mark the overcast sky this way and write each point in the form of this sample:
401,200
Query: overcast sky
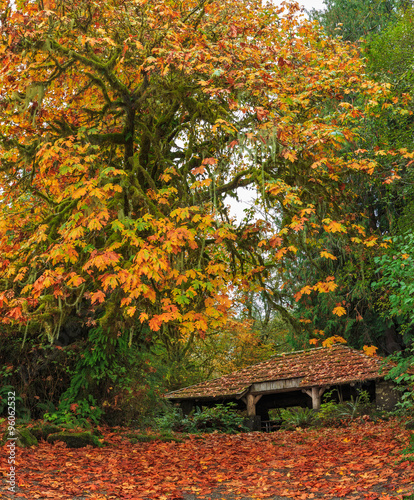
309,4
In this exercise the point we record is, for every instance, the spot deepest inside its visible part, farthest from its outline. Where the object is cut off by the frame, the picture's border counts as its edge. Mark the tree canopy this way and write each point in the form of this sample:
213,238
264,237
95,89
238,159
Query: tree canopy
356,19
125,126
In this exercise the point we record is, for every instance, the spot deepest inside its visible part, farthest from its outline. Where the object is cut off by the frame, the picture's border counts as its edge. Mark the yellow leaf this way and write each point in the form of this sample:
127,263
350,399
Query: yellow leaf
181,279
325,286
335,227
370,242
307,290
329,342
131,310
370,350
94,224
75,280
339,311
328,255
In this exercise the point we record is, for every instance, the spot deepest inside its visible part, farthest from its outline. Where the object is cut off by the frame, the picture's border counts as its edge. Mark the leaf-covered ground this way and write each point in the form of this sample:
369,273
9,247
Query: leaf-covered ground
362,461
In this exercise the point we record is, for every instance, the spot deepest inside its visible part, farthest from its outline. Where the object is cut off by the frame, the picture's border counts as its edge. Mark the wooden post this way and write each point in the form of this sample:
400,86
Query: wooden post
316,394
251,401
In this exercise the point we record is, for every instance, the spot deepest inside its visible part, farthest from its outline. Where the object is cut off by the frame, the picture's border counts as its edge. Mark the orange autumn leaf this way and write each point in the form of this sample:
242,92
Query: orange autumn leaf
98,297
339,311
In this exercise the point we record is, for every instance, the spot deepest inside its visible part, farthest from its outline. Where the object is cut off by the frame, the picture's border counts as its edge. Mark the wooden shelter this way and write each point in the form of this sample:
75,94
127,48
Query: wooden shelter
294,379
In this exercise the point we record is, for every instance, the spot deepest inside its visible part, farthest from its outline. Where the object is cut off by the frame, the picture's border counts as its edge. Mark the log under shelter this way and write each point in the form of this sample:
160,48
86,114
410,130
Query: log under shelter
294,379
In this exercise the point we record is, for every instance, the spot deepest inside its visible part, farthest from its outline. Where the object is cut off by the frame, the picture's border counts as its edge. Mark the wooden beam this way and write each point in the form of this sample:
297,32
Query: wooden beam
256,398
276,385
316,394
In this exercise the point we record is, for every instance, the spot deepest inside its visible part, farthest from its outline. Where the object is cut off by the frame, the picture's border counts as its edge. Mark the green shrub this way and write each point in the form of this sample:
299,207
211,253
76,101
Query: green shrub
409,450
21,412
403,375
333,413
222,418
79,414
328,413
173,419
297,417
37,371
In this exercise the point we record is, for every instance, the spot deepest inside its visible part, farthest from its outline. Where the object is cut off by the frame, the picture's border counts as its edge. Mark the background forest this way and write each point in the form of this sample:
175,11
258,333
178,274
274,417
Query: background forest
127,125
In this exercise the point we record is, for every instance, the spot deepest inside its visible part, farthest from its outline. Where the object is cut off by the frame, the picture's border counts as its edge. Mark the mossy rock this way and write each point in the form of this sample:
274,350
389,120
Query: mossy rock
43,431
24,436
75,439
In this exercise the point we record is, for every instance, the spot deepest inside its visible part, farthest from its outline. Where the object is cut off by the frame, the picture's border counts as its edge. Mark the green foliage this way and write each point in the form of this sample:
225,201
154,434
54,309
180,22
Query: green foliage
222,418
21,411
386,208
397,279
403,374
390,52
79,414
111,381
354,271
409,450
46,407
333,413
173,419
353,19
297,417
38,373
357,407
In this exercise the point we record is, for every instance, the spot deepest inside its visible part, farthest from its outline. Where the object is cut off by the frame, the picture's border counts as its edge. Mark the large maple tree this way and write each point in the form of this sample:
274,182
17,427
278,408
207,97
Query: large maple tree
126,124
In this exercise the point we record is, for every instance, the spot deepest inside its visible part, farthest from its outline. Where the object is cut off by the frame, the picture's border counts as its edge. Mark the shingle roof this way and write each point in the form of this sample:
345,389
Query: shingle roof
321,366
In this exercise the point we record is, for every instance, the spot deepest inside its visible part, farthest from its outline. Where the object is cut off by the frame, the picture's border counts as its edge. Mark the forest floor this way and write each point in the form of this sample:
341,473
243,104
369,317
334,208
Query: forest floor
359,461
